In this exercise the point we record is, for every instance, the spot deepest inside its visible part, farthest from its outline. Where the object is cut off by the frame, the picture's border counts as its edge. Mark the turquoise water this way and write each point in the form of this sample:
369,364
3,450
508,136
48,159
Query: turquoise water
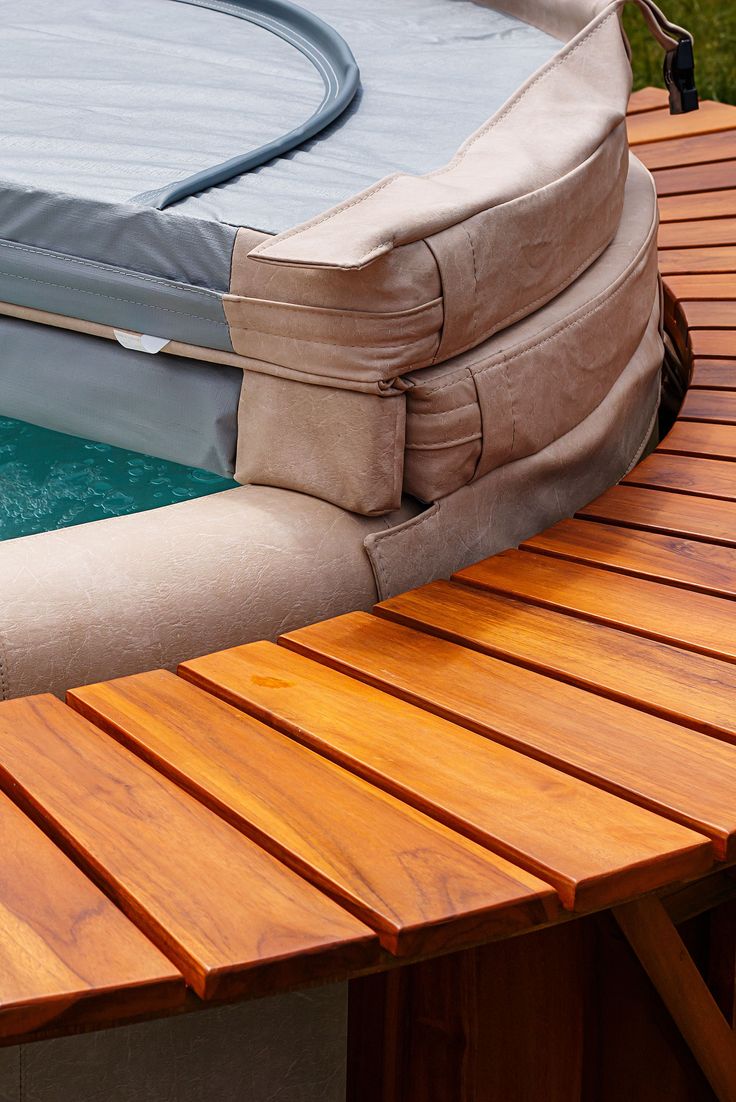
50,480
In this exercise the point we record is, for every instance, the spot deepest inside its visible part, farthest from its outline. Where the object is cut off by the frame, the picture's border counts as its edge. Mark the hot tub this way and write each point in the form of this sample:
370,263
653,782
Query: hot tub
416,336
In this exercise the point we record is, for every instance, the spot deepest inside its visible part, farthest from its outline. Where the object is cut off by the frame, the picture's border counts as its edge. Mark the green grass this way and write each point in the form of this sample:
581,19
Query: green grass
713,24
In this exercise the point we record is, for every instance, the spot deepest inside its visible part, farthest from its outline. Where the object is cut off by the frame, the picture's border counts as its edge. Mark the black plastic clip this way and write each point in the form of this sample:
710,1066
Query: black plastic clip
679,76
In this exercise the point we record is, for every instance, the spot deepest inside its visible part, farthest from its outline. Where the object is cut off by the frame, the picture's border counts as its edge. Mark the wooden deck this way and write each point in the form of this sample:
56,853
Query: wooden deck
547,736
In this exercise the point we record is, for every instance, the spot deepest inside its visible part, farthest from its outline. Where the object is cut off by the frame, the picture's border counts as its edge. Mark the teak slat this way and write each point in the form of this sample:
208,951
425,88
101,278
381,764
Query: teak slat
710,314
647,99
715,343
677,152
702,234
710,405
709,519
67,954
685,686
423,887
707,567
519,807
687,776
702,477
686,208
657,126
701,288
696,620
713,176
231,917
697,439
706,263
716,374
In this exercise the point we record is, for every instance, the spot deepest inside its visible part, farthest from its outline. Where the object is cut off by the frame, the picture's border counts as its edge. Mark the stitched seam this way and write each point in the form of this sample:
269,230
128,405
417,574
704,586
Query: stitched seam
441,412
446,444
474,319
459,156
405,345
99,267
116,298
428,307
4,679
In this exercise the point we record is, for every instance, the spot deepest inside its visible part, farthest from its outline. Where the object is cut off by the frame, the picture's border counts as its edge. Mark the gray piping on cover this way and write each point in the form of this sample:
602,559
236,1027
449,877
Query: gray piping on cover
320,44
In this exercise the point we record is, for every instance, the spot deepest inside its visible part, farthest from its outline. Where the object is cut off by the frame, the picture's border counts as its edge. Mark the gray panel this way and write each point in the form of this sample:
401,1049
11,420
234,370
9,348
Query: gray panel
187,250
82,288
166,406
290,1047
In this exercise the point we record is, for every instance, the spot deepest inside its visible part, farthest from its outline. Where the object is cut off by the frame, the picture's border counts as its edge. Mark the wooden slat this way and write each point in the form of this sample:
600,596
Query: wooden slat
707,262
716,374
688,151
700,289
657,126
661,511
702,477
513,803
231,917
711,314
703,566
684,686
423,887
705,233
696,439
68,956
695,620
709,405
716,176
716,343
686,208
647,99
685,775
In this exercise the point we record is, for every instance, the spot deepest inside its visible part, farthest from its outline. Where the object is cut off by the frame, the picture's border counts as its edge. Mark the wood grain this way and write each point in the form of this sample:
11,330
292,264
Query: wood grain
703,234
685,775
706,263
677,152
703,290
661,951
233,919
661,511
684,686
713,176
65,950
714,374
657,126
710,314
713,343
525,810
708,441
695,620
421,886
702,566
682,473
647,99
710,405
686,208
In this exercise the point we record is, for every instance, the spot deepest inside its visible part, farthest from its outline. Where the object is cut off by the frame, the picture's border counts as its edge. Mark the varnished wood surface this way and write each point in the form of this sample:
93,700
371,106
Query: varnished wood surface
691,688
667,471
421,886
659,125
451,771
713,374
617,749
174,867
665,558
696,620
66,952
699,440
677,514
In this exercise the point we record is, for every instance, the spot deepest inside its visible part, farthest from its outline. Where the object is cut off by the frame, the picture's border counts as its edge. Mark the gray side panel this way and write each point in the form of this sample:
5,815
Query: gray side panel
140,239
113,296
166,406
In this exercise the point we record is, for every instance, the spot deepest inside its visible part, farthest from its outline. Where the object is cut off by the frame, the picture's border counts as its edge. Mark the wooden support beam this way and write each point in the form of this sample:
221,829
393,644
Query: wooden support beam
662,953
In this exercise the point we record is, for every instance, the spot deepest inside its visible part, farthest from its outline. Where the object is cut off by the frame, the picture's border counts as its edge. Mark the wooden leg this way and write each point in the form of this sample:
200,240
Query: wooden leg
656,942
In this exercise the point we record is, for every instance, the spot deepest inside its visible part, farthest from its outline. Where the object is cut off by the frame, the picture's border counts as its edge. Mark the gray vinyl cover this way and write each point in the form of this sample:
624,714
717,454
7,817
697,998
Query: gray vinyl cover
174,408
100,102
